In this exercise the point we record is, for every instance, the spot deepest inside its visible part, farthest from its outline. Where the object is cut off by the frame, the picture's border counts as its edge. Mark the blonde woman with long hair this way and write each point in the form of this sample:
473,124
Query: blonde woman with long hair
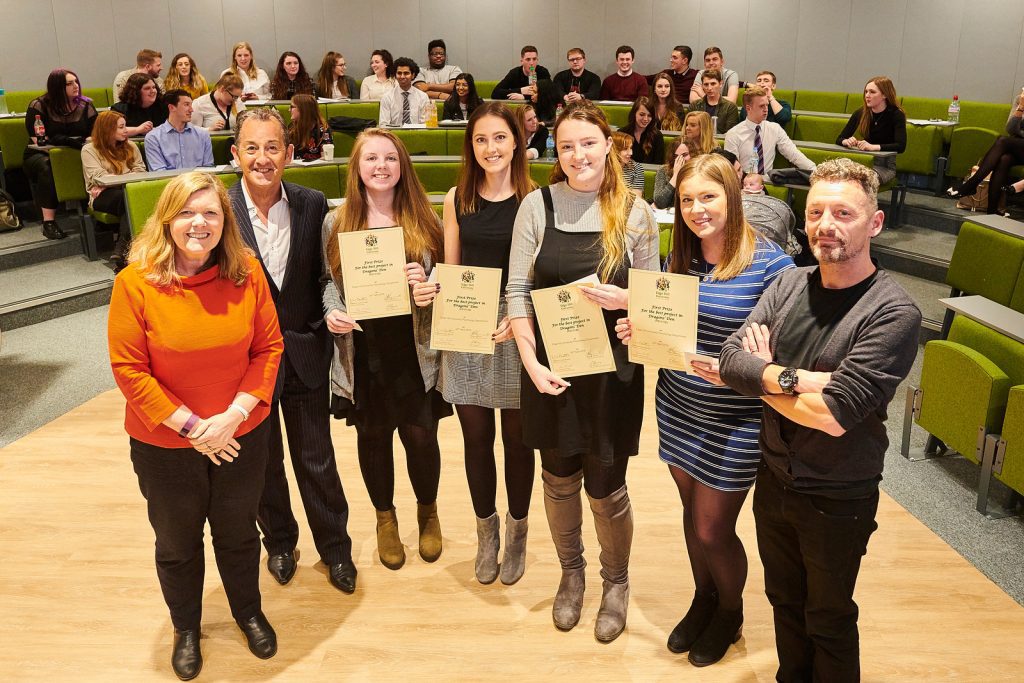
697,129
255,81
183,74
586,222
385,375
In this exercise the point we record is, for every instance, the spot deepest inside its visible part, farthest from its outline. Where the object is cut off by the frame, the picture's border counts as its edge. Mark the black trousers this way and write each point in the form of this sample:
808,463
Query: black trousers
111,200
307,422
184,489
40,178
811,547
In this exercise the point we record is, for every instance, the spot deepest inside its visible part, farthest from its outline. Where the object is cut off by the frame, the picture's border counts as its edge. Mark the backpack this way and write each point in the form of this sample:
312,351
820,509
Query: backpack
9,220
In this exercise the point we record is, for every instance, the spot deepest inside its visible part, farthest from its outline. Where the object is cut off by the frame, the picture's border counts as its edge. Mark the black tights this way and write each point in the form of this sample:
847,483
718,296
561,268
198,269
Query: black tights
600,480
377,463
1006,152
717,558
478,433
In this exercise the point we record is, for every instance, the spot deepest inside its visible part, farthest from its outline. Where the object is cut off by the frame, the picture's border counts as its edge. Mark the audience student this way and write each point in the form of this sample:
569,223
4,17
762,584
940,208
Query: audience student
666,106
713,103
111,153
779,111
679,69
535,133
146,61
648,145
255,82
586,427
824,351
220,109
184,74
698,131
755,140
290,78
384,377
195,348
464,100
625,85
438,79
403,104
632,173
382,77
177,143
479,215
1007,151
577,83
141,105
706,430
68,117
280,223
516,83
727,78
878,126
331,81
307,131
666,180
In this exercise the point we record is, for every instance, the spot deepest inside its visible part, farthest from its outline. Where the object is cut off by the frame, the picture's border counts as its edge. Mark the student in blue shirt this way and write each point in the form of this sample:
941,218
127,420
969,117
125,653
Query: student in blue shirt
177,143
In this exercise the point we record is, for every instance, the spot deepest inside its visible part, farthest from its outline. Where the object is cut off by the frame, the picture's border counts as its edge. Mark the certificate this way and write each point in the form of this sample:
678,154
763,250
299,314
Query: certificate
573,330
465,309
663,312
373,273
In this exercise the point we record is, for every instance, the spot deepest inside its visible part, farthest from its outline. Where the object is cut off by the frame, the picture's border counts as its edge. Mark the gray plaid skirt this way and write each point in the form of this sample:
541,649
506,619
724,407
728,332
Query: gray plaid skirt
477,379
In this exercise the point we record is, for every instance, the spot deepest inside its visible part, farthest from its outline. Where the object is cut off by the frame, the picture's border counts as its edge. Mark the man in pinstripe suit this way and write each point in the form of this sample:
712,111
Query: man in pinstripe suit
281,223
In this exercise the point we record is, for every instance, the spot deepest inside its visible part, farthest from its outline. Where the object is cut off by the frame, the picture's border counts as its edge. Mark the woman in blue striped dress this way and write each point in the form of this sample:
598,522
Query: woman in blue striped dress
708,433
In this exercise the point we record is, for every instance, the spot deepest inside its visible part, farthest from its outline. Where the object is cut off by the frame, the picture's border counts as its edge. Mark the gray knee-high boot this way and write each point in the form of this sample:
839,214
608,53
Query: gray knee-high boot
613,520
564,508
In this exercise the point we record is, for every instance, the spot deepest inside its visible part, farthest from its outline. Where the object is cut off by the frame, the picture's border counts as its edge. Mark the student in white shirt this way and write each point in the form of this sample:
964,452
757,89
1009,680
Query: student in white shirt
393,111
742,138
255,81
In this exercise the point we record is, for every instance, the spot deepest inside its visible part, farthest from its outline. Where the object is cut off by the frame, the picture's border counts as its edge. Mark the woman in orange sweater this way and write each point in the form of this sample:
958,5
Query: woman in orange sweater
195,348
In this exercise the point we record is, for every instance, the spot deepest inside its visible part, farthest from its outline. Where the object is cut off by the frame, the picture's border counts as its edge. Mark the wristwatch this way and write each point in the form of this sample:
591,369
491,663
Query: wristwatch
788,380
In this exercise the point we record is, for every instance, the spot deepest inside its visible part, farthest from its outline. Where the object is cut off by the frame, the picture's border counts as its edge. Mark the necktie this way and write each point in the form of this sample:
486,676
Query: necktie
405,108
758,150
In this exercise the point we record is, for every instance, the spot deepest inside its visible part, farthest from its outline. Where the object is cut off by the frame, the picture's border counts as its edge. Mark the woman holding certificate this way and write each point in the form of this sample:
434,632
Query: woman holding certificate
478,218
385,373
708,433
586,226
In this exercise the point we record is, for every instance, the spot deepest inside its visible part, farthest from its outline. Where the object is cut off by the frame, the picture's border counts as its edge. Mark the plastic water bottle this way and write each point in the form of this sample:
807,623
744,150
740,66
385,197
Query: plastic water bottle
3,102
953,113
558,111
549,148
39,130
533,75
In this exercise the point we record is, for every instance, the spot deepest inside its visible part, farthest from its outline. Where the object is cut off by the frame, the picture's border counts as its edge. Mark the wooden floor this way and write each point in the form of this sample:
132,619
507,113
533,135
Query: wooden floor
80,600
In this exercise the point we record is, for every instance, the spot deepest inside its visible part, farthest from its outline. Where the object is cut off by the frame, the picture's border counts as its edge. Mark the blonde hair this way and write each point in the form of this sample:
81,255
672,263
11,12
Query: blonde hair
120,155
153,250
251,71
706,141
615,198
740,239
411,207
196,83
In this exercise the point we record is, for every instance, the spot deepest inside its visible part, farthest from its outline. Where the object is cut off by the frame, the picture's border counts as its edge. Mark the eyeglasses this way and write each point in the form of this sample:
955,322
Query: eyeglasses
437,53
575,59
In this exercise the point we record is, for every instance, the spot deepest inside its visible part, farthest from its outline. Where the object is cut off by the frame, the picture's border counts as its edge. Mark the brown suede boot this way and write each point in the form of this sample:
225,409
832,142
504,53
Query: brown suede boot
430,531
613,520
564,509
389,544
513,562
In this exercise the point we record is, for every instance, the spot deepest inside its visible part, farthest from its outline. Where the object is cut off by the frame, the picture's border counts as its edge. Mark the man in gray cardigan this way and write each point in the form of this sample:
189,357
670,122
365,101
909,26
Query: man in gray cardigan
825,348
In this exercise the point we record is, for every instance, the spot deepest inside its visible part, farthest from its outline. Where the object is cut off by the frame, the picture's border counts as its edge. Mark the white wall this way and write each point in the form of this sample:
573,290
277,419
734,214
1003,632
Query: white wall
930,48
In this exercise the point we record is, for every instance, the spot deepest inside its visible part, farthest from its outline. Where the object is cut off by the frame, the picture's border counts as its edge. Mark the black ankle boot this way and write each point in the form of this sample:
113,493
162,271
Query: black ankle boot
693,624
725,628
52,231
186,657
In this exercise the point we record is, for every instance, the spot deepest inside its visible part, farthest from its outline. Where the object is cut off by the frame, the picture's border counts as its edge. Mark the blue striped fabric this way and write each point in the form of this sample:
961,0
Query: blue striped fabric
711,432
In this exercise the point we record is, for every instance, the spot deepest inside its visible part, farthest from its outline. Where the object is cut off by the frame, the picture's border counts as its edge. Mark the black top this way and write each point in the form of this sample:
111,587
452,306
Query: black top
67,129
515,80
311,148
452,110
657,153
135,115
486,236
888,129
587,84
539,140
286,89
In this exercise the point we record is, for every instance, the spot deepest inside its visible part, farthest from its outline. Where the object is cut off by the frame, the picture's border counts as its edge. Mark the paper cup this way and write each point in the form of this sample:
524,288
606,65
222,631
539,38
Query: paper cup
327,152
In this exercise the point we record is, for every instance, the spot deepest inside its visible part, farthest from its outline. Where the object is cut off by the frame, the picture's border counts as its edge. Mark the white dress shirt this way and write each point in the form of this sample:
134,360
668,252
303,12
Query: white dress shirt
391,106
273,238
740,141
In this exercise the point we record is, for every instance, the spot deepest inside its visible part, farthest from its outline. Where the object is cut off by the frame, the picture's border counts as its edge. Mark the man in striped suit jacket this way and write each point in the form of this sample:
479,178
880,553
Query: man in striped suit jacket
281,223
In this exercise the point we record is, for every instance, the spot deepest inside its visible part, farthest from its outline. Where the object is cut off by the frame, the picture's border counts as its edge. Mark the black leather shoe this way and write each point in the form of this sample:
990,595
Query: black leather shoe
186,658
52,231
282,567
343,576
260,636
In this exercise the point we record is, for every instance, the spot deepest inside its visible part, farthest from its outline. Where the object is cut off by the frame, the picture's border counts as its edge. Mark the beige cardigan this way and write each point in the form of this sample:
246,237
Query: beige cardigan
94,167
